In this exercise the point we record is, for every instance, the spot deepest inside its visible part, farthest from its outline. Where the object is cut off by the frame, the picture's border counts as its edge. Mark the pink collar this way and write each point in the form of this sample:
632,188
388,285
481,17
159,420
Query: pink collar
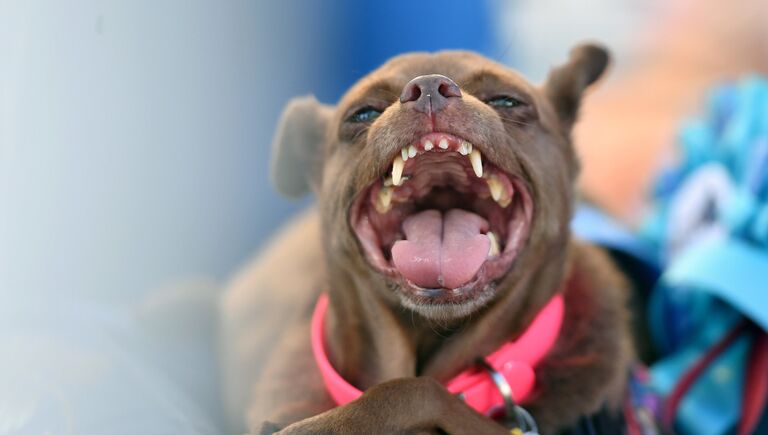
515,360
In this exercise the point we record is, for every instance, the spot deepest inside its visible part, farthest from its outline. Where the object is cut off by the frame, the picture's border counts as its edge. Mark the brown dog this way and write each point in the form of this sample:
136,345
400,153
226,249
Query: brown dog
445,187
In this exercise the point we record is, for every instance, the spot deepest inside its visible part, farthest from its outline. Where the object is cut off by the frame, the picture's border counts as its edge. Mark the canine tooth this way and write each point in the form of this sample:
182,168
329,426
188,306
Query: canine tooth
428,145
496,187
443,144
477,162
465,148
388,182
412,151
494,249
397,170
404,153
384,200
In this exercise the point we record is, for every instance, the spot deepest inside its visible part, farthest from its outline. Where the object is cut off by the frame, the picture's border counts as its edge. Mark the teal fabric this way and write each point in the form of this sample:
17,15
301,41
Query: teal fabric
713,403
709,226
732,270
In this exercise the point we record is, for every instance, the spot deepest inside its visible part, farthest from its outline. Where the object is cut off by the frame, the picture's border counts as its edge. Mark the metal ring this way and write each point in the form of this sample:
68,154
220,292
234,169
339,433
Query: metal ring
525,420
530,426
502,385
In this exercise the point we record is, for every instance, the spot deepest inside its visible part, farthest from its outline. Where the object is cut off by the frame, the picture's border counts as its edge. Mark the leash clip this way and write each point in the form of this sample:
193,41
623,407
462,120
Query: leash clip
526,424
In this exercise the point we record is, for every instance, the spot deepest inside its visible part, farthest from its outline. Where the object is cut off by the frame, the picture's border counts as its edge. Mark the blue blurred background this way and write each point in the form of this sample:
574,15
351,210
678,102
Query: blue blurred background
134,146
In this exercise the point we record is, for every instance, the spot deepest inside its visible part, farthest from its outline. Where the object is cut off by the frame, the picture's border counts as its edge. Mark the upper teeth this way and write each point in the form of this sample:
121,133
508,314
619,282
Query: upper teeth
499,191
397,170
477,162
409,152
496,187
465,148
505,201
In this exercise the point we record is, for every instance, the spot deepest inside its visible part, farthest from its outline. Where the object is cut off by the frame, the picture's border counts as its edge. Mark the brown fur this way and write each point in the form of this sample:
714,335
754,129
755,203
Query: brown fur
371,338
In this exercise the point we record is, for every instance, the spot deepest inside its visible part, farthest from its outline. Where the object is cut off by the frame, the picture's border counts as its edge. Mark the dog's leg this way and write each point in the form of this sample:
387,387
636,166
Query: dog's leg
407,405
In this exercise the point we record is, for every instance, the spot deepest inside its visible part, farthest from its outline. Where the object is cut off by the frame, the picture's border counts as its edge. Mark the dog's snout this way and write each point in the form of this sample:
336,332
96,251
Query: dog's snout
430,92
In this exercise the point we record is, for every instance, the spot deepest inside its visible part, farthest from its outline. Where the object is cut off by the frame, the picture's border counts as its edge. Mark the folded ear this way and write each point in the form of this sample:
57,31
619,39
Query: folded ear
566,83
297,146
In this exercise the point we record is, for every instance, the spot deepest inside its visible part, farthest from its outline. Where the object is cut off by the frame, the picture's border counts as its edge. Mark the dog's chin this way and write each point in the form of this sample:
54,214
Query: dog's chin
433,305
443,226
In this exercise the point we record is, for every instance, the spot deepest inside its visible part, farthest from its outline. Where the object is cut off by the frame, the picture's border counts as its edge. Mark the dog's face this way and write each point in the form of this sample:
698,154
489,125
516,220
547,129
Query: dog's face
439,175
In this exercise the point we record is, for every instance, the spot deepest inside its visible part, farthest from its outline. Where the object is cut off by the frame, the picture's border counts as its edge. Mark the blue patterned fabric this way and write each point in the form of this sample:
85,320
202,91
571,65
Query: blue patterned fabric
707,236
709,225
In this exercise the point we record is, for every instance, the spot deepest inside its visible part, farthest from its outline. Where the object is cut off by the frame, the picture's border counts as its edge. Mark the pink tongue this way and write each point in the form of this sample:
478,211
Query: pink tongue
442,251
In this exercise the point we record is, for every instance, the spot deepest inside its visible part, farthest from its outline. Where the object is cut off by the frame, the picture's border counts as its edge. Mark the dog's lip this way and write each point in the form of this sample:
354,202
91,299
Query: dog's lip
429,296
492,269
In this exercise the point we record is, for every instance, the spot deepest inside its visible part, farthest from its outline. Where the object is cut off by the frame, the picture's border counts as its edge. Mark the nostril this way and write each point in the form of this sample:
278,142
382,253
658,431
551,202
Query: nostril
416,92
449,89
410,93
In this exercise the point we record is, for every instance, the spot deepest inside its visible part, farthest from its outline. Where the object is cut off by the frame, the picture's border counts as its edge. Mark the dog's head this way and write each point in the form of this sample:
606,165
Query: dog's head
440,175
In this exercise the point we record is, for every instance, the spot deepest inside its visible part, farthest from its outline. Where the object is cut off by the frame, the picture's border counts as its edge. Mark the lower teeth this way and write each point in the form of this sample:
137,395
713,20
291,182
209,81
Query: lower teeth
493,251
384,202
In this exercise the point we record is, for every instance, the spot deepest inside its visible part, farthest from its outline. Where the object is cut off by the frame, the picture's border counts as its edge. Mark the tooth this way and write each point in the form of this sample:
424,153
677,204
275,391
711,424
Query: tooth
384,201
493,250
496,187
428,145
465,148
411,151
387,182
477,162
443,143
505,202
404,153
397,170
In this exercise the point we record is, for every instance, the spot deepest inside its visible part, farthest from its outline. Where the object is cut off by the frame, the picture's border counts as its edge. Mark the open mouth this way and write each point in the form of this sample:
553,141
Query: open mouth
444,223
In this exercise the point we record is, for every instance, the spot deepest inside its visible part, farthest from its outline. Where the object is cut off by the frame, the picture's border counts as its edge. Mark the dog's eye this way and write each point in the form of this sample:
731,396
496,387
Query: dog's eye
504,101
366,114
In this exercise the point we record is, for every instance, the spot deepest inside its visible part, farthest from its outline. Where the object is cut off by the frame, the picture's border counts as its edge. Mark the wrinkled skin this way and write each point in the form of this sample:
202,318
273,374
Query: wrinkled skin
373,340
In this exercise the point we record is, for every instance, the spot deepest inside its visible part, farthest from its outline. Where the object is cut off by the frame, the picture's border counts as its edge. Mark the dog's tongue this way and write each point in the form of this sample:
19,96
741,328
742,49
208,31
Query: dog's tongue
442,251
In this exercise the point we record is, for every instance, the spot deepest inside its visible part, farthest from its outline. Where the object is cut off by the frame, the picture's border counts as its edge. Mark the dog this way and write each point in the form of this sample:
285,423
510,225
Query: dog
445,187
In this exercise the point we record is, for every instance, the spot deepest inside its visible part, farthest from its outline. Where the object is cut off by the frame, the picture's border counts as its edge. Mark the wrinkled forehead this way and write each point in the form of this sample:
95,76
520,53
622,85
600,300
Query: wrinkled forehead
463,67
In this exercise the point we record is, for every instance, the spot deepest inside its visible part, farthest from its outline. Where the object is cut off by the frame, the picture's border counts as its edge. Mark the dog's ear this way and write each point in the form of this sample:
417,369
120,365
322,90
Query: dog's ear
566,83
297,146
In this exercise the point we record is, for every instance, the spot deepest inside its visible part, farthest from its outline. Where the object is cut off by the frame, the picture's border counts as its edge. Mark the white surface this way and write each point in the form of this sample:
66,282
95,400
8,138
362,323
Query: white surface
134,139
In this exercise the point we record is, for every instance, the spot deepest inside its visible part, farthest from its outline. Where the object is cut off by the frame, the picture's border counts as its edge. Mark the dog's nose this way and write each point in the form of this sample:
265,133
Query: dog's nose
430,92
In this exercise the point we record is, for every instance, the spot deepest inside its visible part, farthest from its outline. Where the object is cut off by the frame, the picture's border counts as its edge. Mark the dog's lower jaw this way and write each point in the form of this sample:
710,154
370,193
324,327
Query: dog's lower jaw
446,311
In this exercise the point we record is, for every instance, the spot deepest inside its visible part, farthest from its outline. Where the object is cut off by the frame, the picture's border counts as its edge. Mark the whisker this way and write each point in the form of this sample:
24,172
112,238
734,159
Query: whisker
360,133
502,57
514,121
